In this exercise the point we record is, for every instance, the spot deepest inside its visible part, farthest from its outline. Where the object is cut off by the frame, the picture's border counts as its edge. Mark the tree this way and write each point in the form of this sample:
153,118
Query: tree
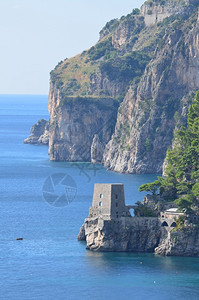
136,11
181,183
150,187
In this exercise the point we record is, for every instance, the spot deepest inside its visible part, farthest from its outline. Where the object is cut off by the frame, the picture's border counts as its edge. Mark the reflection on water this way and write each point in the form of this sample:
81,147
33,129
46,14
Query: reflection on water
150,261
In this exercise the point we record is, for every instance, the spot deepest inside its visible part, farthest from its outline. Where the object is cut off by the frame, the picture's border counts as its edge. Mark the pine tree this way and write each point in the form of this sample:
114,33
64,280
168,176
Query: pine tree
181,183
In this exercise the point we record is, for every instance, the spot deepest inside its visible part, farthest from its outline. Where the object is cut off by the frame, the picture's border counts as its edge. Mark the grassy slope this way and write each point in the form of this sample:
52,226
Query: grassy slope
72,76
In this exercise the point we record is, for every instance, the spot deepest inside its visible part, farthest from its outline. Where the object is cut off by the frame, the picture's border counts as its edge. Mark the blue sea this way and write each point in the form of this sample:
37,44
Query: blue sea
49,263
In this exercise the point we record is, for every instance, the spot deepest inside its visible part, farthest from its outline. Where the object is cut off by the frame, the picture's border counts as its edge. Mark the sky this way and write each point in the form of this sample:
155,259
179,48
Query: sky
36,34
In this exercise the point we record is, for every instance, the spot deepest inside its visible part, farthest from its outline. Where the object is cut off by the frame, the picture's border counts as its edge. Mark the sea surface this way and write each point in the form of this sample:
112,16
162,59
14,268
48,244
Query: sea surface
50,263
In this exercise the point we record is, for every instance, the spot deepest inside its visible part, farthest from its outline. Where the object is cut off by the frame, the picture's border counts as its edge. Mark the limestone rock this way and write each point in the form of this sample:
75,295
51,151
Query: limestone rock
147,116
97,150
39,133
81,235
124,235
75,121
126,30
156,204
135,81
139,235
110,227
184,242
155,11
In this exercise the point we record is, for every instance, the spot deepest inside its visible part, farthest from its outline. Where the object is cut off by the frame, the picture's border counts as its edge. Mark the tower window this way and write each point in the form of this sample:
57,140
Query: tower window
116,204
116,196
100,203
101,196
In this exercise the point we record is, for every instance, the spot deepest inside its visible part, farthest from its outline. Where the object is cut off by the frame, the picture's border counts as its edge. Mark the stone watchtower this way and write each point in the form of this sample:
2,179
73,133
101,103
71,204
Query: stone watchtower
108,202
154,12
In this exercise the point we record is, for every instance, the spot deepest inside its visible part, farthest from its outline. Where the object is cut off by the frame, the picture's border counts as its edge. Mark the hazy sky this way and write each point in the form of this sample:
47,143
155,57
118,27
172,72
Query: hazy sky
36,34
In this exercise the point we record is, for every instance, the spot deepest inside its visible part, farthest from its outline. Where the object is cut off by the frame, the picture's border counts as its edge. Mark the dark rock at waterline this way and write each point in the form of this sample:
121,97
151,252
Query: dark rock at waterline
39,133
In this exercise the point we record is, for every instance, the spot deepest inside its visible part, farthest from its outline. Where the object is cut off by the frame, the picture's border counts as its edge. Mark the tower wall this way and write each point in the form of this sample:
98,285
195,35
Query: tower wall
102,194
118,208
108,201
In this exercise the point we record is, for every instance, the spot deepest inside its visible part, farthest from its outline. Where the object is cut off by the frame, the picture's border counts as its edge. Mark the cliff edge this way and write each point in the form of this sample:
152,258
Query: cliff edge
120,101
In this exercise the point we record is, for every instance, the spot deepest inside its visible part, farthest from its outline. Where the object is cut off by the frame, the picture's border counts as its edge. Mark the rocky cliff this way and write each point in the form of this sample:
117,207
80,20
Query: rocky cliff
39,133
80,127
139,234
136,81
125,235
151,110
184,242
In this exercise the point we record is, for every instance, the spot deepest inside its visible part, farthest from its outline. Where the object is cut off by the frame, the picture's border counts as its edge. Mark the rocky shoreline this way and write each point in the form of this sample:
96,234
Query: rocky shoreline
139,235
39,133
126,235
110,228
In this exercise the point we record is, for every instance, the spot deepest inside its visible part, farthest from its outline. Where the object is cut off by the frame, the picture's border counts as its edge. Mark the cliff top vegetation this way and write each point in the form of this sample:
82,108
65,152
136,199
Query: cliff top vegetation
111,58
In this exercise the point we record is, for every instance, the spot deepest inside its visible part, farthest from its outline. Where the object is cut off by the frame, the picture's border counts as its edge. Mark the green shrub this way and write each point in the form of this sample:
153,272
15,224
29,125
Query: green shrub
110,26
100,49
125,67
143,211
136,11
148,145
182,172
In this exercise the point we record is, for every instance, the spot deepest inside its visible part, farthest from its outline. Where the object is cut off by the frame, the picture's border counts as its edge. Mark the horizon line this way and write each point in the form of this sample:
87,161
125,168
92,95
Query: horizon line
18,94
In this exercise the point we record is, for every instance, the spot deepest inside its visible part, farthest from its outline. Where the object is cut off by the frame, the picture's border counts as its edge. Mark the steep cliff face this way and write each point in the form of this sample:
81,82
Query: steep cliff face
148,63
126,235
156,11
74,123
149,113
181,243
86,90
139,235
97,150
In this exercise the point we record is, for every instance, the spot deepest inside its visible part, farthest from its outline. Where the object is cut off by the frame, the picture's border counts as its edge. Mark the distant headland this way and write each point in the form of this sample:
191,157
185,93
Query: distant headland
121,101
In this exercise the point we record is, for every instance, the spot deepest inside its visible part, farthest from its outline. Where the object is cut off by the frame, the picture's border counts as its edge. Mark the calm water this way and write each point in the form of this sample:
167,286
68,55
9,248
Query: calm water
49,263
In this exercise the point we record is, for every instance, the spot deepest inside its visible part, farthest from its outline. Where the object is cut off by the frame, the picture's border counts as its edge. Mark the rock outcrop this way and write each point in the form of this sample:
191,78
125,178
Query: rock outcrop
97,150
156,204
74,124
139,234
140,74
157,11
157,226
148,115
184,242
126,235
39,133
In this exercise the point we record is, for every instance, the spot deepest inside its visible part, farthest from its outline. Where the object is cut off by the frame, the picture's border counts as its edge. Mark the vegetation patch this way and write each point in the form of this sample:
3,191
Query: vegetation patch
143,211
110,26
181,183
100,49
126,67
101,102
